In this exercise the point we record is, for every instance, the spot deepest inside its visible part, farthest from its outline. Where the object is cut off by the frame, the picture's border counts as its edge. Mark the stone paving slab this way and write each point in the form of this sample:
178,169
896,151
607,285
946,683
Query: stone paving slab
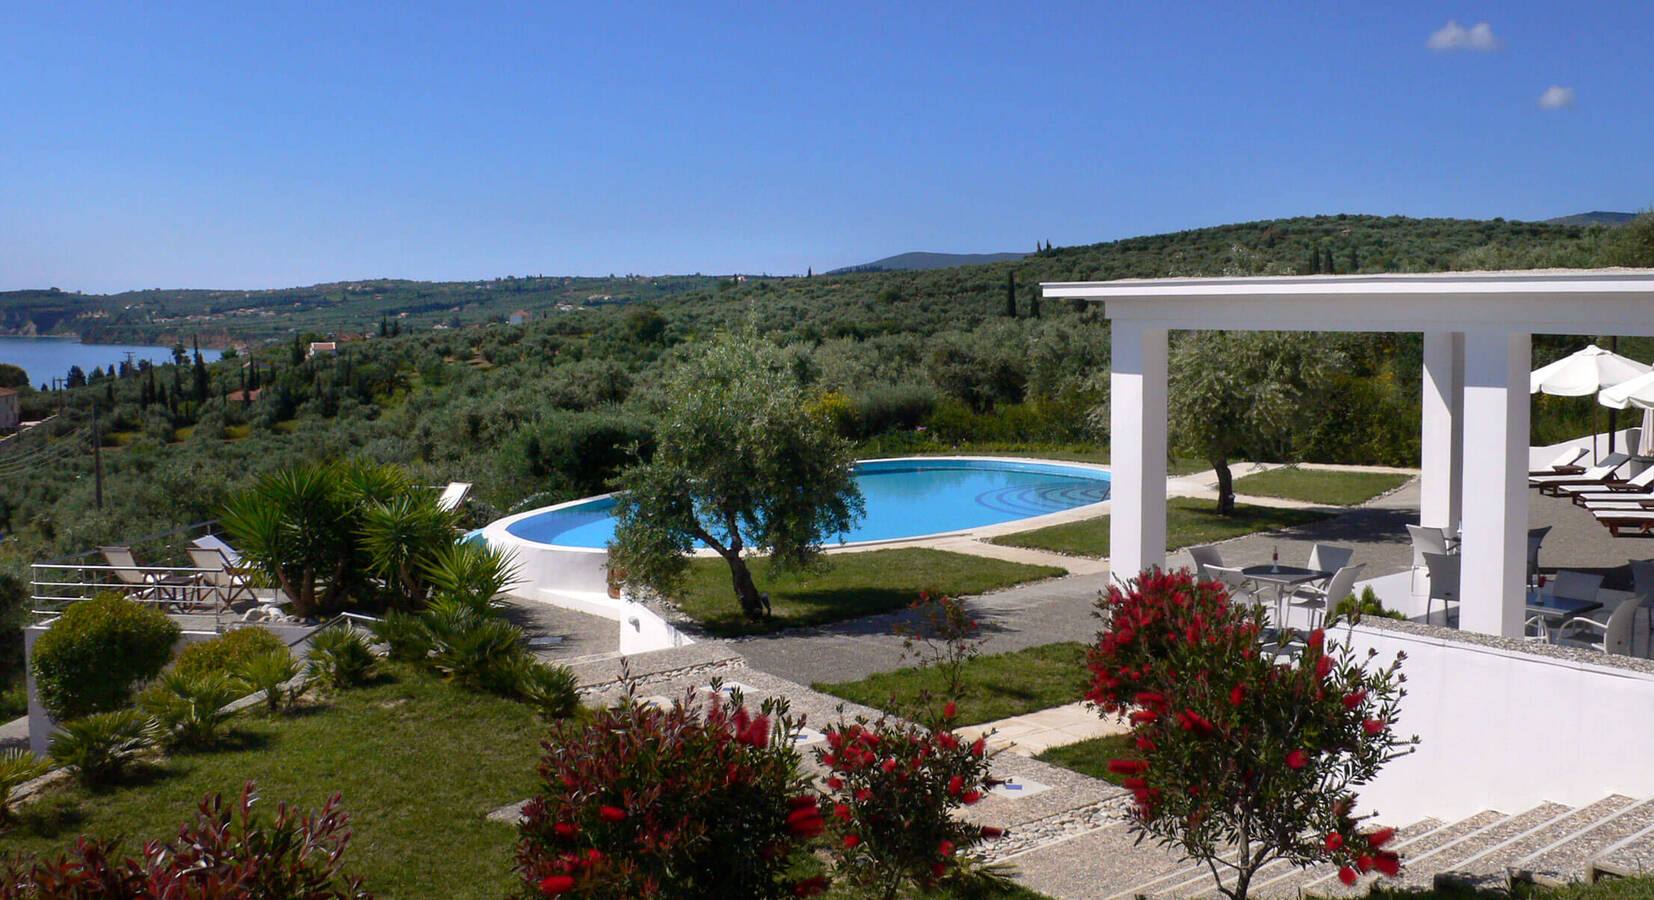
1036,732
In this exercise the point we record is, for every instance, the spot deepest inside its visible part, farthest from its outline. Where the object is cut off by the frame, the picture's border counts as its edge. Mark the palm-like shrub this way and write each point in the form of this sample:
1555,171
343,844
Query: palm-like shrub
97,749
341,657
267,672
16,767
473,649
402,537
92,655
404,636
294,526
551,689
190,709
472,573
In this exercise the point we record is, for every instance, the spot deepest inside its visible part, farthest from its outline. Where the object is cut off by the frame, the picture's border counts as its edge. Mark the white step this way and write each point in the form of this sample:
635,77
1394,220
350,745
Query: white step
1420,871
1488,869
1566,859
1632,855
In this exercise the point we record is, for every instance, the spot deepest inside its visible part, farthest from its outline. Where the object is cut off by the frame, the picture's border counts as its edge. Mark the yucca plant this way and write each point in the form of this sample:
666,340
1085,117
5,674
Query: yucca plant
295,527
17,767
551,689
97,749
402,536
267,672
404,635
473,649
190,709
472,573
341,657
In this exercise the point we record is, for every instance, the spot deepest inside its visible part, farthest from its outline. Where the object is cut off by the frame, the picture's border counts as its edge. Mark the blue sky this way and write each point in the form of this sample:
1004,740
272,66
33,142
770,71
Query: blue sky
242,145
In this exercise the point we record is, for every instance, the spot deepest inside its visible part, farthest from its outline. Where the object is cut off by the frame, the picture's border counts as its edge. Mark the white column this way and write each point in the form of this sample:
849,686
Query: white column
1137,449
1442,433
1493,557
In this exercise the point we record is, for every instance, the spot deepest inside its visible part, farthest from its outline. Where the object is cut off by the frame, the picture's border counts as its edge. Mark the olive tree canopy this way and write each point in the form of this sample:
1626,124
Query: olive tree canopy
742,464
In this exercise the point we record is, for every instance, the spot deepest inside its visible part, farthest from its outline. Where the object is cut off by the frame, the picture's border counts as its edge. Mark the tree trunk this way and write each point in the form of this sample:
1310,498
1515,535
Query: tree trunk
754,605
1226,487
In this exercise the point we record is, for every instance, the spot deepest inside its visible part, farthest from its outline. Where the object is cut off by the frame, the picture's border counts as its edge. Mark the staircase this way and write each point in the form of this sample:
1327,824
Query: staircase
1550,844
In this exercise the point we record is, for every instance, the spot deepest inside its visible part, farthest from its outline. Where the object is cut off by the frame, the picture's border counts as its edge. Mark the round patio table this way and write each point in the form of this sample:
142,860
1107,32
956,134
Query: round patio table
1283,577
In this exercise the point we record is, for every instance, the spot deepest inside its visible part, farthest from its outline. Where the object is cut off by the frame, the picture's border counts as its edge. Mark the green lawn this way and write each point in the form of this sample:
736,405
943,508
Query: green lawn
1189,521
1091,757
419,764
995,686
848,585
1320,486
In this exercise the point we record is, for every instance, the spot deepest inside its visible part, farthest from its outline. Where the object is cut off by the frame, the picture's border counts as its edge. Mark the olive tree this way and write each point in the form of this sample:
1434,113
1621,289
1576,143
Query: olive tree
1238,393
741,464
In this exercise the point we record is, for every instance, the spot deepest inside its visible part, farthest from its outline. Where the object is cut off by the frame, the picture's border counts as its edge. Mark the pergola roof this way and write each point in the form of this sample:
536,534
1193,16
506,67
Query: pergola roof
1549,301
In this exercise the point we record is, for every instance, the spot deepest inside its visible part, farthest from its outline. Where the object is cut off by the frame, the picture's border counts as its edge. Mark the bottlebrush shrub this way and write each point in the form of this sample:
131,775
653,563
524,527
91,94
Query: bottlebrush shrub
894,788
1241,760
222,855
641,801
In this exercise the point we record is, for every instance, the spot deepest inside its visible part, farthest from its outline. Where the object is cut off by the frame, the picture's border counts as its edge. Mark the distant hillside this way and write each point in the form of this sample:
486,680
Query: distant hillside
1595,217
904,262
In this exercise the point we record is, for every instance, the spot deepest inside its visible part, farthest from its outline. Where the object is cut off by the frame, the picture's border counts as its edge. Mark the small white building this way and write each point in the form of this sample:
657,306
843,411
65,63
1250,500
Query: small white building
518,317
10,412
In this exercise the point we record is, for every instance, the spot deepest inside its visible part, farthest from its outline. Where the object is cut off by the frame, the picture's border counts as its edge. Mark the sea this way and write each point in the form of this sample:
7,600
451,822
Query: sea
46,358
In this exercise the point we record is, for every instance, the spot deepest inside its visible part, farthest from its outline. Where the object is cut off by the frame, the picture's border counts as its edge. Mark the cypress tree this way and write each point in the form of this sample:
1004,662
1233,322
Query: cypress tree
1326,262
201,384
1355,261
1033,303
1010,295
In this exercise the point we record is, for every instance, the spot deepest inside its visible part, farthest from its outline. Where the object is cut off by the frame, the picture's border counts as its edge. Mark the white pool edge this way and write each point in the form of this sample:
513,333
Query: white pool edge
576,578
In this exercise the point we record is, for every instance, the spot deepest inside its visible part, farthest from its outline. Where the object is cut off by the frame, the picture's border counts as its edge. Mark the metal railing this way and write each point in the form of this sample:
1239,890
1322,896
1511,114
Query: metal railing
179,590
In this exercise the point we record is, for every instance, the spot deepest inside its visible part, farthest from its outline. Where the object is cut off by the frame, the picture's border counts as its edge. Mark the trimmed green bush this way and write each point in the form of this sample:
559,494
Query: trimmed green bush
550,688
189,710
222,654
89,660
404,636
267,672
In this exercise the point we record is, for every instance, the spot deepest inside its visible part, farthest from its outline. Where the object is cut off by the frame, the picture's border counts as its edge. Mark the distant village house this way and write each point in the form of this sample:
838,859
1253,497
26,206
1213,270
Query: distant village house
518,317
10,415
322,347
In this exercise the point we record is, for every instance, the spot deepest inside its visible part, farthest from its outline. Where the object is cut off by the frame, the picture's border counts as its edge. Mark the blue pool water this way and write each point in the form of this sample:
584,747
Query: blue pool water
905,498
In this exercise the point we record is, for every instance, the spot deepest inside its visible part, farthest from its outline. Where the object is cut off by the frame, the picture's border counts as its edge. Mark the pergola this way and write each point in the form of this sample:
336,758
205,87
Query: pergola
1477,331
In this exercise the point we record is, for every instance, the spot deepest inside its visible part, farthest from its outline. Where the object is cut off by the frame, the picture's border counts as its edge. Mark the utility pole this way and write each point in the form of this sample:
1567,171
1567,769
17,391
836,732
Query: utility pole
97,455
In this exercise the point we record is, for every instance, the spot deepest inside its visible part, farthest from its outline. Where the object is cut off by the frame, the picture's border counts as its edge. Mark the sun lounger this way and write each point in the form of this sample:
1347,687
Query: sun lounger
214,542
1640,484
1617,521
221,576
453,495
1564,461
1597,476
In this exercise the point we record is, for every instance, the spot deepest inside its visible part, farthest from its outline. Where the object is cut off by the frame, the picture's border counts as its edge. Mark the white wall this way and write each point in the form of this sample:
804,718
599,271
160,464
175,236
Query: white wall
1504,730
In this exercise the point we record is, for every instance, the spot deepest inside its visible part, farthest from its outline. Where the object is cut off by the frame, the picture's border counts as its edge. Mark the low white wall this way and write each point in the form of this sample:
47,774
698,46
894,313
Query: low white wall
1505,730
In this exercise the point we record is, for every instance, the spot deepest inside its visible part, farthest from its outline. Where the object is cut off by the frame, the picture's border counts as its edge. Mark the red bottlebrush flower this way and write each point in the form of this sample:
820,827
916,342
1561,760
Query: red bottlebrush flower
611,814
1364,863
1238,695
1144,742
1143,716
1380,837
1323,667
1150,699
851,840
594,856
1317,638
939,869
971,797
947,741
945,848
758,733
889,765
1127,766
989,832
835,783
552,885
835,739
950,710
805,823
1334,841
863,795
1296,759
1354,699
955,785
802,801
1373,726
810,887
1388,864
978,746
564,830
1346,875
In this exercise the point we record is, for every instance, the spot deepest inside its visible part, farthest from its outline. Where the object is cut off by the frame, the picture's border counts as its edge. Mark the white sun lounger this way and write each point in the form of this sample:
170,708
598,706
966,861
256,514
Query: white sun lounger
1616,519
1637,486
453,495
1567,457
1592,477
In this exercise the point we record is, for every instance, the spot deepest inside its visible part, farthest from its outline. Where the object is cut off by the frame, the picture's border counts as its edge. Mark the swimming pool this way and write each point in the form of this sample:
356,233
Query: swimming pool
905,498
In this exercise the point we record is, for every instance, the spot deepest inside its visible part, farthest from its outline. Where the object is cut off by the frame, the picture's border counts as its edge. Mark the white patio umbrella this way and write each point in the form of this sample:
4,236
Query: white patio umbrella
1587,371
1637,392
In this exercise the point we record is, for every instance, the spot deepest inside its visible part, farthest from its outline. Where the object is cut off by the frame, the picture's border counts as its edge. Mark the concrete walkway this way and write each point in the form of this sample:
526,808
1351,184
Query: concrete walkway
1036,732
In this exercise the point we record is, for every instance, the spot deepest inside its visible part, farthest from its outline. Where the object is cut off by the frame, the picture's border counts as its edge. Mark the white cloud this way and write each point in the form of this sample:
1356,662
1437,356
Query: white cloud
1556,97
1454,36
